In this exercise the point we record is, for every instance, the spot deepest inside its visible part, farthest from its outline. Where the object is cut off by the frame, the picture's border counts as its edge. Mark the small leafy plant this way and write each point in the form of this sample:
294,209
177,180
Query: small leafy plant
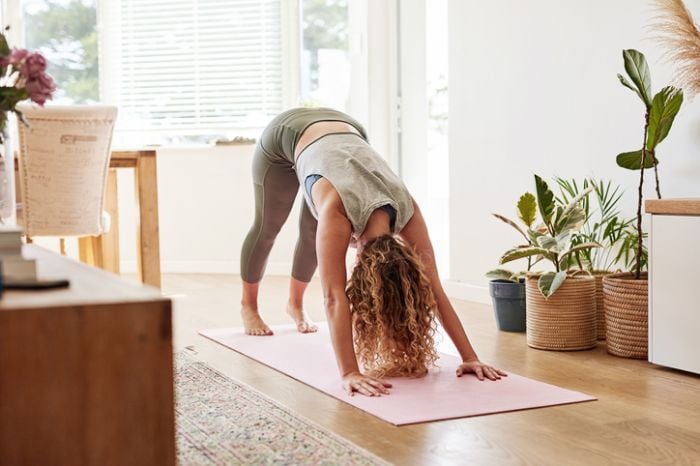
527,213
552,240
660,111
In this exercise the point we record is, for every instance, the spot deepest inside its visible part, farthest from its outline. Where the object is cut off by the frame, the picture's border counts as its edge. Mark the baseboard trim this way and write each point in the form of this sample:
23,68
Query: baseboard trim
213,267
467,292
454,289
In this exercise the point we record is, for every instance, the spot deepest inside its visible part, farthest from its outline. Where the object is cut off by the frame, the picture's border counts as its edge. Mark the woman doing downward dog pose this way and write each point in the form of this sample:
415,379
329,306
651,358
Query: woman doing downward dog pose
385,315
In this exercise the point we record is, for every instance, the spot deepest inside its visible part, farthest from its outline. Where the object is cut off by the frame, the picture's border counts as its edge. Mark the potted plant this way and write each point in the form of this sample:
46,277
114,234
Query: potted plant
626,294
507,288
604,225
560,305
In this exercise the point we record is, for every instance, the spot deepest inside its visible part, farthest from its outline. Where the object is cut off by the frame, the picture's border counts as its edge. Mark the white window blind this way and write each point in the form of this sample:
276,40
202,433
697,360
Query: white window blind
198,64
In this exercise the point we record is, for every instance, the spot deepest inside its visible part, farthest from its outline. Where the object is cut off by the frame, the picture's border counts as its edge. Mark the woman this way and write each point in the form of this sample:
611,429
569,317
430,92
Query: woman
351,198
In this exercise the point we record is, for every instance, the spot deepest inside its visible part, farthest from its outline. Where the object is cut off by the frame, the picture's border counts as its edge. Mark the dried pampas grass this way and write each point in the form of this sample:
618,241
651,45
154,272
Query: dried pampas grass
678,33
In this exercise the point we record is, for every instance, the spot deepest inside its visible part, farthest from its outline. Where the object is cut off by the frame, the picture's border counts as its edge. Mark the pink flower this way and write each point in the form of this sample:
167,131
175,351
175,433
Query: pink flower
40,88
17,57
35,64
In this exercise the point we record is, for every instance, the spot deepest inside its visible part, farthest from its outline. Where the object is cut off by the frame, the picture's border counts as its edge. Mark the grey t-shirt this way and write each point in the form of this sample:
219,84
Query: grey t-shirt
361,177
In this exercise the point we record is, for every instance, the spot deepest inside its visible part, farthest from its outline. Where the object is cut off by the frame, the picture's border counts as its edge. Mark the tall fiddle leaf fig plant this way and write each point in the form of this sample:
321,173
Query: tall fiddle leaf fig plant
551,241
659,112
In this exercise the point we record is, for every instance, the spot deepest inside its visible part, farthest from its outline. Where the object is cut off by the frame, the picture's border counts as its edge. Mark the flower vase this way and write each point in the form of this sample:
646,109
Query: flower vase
8,209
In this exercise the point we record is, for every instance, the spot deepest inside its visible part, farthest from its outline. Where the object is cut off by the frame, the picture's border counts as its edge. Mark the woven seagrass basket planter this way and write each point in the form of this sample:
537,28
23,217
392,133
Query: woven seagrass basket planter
599,304
567,320
626,315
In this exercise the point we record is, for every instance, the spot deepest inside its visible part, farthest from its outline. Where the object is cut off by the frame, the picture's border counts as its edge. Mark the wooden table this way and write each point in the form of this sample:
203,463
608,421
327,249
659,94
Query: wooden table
86,373
147,235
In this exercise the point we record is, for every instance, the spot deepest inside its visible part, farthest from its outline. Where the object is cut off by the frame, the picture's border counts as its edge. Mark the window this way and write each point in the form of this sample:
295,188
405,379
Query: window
64,31
198,65
192,70
325,64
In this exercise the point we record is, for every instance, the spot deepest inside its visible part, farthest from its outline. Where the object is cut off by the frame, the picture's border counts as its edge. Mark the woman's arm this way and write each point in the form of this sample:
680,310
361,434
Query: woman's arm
416,234
332,239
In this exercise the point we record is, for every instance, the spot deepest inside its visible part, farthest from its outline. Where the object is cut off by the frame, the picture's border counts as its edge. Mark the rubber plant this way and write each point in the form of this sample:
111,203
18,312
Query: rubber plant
527,213
659,114
552,239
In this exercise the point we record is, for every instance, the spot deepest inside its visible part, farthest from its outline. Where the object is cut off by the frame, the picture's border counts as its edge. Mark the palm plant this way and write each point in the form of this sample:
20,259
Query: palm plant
603,225
552,240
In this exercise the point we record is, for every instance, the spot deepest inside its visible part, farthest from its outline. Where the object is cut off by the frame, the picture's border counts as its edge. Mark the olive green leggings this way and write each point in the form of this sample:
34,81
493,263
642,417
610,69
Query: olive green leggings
276,186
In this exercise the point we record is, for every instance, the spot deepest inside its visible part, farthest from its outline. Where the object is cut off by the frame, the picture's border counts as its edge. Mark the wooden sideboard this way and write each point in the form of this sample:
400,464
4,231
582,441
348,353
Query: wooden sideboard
674,294
86,373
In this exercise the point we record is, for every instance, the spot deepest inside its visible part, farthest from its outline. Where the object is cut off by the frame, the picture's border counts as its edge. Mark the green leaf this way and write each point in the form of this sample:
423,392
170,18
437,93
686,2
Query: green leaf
502,274
527,209
571,220
547,242
579,247
633,160
629,85
519,253
550,282
664,109
511,223
545,199
4,48
638,71
573,216
533,235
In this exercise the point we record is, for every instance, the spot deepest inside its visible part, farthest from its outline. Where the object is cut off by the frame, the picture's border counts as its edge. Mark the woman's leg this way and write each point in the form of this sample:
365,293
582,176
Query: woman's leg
304,266
275,187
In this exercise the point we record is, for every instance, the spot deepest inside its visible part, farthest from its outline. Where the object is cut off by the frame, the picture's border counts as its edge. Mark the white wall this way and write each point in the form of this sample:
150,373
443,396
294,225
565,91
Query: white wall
533,89
206,208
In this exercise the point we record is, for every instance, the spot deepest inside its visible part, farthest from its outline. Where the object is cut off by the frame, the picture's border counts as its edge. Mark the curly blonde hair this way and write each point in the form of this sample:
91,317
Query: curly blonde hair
393,310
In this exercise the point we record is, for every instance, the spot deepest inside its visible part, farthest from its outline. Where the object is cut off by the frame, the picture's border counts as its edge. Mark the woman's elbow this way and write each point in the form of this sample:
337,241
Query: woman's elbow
334,300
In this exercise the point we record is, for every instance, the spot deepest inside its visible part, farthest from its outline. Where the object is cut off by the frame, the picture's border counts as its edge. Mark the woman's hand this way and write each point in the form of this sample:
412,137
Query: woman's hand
366,385
481,370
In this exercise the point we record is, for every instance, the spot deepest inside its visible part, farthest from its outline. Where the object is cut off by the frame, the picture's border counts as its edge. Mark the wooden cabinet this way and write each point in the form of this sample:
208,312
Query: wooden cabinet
86,373
674,288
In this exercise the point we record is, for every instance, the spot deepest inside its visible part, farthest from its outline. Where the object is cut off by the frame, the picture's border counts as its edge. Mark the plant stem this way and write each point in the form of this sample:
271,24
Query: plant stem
638,261
656,174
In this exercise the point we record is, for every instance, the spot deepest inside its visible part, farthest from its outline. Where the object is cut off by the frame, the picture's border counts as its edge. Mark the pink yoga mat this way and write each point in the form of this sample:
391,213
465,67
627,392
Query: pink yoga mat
440,395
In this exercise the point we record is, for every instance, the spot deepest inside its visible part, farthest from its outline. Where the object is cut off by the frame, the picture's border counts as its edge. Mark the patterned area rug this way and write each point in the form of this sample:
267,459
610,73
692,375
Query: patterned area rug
223,422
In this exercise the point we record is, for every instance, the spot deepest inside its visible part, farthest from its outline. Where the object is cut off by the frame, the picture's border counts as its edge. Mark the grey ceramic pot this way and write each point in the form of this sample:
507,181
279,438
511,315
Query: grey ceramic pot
508,304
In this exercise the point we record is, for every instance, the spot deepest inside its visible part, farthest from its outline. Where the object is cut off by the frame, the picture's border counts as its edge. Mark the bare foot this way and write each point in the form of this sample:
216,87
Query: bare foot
303,321
253,323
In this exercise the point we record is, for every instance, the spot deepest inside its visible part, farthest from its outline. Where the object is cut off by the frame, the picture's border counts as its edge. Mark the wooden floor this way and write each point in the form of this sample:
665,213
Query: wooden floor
645,414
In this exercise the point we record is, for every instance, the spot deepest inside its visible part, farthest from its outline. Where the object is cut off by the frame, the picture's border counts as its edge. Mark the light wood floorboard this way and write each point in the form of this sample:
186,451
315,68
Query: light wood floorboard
645,414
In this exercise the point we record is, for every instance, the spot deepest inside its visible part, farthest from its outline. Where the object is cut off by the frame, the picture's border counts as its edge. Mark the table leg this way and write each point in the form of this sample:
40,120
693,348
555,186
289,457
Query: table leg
147,237
110,240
